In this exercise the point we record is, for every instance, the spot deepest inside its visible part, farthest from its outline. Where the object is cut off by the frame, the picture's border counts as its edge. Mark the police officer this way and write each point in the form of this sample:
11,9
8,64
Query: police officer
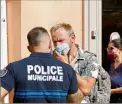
40,78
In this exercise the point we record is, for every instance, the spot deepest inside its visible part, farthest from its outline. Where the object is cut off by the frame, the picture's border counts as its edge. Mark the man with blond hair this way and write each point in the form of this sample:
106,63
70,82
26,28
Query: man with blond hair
83,62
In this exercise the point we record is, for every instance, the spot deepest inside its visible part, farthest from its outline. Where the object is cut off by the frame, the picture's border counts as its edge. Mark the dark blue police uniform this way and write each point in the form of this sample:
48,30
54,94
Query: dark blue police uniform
39,78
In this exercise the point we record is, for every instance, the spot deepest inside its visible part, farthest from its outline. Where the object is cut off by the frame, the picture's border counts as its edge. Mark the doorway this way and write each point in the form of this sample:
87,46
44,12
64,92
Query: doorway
92,27
111,22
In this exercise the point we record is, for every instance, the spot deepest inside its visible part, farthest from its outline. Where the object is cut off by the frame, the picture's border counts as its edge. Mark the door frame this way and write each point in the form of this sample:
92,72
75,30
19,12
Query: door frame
3,41
98,27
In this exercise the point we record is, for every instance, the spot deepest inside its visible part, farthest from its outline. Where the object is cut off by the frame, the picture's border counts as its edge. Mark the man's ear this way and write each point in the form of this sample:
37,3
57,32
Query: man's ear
50,45
73,37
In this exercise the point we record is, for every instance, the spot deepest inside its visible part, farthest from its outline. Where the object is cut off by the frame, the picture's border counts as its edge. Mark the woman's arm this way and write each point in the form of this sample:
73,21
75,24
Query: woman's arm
116,90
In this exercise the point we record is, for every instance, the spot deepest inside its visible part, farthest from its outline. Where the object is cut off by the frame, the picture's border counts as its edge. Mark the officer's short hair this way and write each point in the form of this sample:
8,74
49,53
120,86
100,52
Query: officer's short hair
36,35
66,26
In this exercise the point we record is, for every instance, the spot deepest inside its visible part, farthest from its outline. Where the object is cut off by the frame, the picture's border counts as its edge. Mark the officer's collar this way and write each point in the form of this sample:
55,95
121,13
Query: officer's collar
39,54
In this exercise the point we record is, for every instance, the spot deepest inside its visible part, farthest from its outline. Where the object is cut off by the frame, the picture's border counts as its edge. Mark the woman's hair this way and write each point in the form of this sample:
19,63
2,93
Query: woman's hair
117,43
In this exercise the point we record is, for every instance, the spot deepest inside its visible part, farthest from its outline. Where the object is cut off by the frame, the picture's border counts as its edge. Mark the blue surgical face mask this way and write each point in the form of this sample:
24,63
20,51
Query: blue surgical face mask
62,47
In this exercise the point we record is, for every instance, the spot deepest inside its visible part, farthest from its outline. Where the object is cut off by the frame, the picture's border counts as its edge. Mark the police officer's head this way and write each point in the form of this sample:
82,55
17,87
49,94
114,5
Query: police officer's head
62,36
39,40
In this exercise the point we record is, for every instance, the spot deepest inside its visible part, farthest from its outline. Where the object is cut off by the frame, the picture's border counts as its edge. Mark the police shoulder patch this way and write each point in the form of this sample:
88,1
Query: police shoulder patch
3,72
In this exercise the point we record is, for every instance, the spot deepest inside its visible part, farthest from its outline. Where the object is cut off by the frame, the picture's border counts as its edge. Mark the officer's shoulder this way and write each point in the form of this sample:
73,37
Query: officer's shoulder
20,61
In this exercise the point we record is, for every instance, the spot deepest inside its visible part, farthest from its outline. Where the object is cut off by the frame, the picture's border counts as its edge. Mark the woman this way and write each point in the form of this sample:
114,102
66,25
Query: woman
114,51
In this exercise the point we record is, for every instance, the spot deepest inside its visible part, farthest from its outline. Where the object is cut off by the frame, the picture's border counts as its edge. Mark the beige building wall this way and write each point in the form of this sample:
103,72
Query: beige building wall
14,29
48,13
13,32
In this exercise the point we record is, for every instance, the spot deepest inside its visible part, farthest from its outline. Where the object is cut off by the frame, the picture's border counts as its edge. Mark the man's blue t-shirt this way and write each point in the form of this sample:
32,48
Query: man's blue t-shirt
39,78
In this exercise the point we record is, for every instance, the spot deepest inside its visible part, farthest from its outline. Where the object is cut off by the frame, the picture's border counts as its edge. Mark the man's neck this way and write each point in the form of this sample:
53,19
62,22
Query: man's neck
42,51
73,55
73,50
